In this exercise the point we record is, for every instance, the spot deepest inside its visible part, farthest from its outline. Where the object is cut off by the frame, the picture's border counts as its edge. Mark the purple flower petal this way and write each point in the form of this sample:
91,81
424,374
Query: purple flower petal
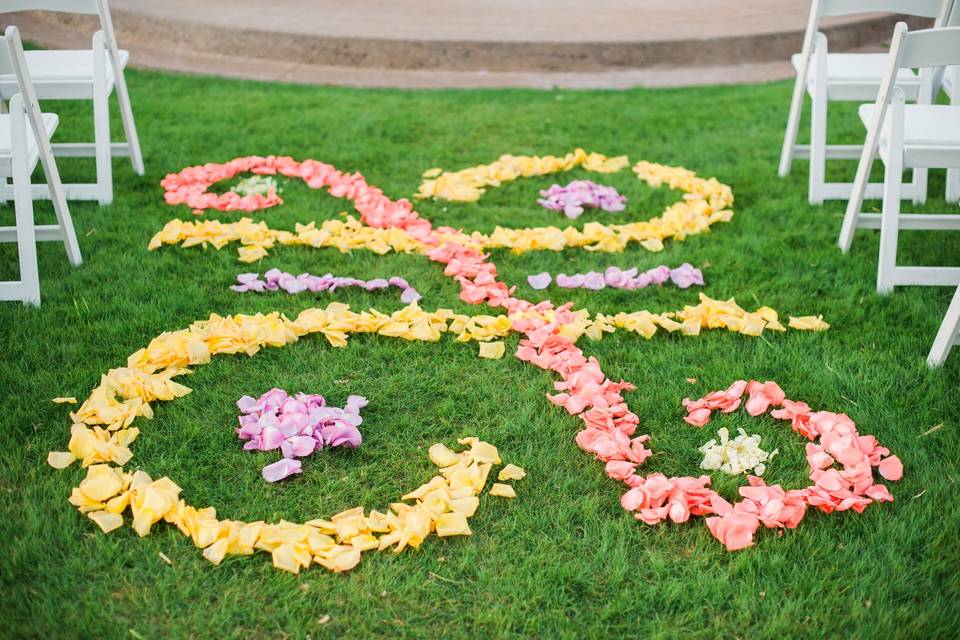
539,281
246,404
683,276
578,194
271,438
292,424
409,295
686,275
659,275
275,280
341,435
355,403
594,280
273,399
283,468
570,282
298,446
298,425
377,283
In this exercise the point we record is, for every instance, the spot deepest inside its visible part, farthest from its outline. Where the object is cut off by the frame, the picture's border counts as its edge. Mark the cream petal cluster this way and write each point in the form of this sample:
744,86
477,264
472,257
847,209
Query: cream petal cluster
735,457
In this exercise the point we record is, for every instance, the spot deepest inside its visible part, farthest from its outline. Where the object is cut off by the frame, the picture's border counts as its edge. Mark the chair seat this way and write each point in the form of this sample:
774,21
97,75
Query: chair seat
931,134
50,122
61,74
857,76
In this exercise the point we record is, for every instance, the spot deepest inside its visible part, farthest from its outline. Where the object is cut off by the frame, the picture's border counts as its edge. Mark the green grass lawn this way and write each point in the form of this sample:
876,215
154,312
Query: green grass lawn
563,559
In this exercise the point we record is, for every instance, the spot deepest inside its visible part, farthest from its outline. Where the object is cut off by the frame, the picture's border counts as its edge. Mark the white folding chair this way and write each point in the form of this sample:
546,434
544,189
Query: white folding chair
907,136
845,77
83,75
25,138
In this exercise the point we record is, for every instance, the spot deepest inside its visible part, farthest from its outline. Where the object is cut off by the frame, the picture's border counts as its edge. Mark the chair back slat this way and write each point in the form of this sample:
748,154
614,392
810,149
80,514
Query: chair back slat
6,60
930,48
88,7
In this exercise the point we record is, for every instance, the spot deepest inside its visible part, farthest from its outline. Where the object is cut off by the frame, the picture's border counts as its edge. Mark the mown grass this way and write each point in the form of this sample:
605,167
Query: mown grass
563,559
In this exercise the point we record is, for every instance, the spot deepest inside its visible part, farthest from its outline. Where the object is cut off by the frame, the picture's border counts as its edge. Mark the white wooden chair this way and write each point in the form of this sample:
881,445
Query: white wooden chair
24,139
907,136
83,75
845,77
948,336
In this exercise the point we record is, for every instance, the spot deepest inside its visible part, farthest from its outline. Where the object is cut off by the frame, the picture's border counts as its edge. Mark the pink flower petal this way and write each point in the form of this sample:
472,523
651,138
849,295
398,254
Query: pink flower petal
891,468
283,468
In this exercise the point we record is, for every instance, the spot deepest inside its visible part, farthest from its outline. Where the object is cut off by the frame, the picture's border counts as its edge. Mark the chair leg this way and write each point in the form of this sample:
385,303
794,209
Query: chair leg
854,204
3,181
919,183
947,335
818,144
26,238
793,125
890,223
65,223
129,124
59,200
953,186
101,131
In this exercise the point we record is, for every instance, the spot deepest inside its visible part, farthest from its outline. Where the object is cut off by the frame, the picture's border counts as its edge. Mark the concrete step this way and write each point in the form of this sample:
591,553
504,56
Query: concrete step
452,43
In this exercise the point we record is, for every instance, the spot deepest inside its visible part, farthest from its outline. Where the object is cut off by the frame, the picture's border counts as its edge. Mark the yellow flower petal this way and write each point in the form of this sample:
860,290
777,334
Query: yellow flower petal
511,472
492,350
216,552
467,506
285,558
105,520
442,456
65,400
808,323
60,459
502,490
102,482
452,524
484,452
